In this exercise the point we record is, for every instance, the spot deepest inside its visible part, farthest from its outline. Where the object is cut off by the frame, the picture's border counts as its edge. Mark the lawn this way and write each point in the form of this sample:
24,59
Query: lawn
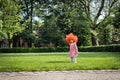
10,62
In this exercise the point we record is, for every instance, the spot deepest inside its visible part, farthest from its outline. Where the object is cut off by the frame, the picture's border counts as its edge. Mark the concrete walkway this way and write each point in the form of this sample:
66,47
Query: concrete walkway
63,75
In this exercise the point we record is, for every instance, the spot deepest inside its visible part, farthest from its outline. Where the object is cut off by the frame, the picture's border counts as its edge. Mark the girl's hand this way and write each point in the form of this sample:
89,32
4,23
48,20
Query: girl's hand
76,54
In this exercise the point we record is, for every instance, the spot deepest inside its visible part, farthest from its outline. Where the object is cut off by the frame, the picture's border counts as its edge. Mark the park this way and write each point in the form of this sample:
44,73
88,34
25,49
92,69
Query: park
33,39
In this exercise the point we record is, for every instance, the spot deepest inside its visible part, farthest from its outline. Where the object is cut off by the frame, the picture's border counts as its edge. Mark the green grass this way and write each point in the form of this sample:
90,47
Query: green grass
58,61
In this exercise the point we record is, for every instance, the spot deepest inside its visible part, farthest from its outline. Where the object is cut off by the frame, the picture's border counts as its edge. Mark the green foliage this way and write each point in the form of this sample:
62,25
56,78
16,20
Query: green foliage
10,16
84,35
61,49
72,19
37,50
104,48
28,37
98,11
3,35
116,19
50,32
106,34
116,23
2,32
60,17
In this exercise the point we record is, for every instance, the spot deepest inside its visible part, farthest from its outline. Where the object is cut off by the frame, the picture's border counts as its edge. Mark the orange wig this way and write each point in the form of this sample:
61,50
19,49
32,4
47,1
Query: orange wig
71,36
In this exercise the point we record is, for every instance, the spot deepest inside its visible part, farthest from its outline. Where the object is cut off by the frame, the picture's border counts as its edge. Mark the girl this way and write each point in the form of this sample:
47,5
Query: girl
72,40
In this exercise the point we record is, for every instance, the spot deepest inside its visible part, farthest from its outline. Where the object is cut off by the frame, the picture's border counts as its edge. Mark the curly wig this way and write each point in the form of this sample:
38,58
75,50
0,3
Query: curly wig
71,36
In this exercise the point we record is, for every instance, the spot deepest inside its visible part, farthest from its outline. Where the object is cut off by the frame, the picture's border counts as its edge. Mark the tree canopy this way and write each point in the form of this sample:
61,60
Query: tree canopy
95,22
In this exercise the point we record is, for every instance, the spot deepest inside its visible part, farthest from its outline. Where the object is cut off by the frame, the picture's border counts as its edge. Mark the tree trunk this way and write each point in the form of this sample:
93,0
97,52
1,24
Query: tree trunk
10,43
31,18
10,40
95,35
95,40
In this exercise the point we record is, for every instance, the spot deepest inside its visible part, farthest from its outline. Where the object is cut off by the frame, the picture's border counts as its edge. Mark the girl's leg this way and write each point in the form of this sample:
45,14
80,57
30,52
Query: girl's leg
75,60
71,59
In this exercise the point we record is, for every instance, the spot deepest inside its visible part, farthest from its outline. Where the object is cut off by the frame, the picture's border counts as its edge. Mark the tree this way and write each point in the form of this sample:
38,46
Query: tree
116,19
29,9
10,17
72,19
105,33
116,23
50,32
97,11
2,33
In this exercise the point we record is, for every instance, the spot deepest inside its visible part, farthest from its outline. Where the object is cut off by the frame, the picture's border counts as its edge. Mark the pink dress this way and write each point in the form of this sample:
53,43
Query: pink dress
73,50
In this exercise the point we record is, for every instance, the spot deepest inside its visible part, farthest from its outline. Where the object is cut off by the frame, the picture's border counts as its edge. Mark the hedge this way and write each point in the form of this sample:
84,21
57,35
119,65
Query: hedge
103,48
37,50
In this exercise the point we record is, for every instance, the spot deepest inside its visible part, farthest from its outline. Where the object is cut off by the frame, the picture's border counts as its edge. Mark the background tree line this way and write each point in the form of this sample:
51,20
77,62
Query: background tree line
27,23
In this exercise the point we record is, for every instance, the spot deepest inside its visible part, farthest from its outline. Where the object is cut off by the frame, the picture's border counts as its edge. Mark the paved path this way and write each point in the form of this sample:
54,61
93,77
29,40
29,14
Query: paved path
63,75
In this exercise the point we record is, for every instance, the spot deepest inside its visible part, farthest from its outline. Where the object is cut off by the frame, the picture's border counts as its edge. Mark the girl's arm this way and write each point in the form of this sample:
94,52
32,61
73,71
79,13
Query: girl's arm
76,49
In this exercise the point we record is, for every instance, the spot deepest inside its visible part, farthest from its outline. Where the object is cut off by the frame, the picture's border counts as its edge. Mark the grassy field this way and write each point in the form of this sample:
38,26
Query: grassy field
58,61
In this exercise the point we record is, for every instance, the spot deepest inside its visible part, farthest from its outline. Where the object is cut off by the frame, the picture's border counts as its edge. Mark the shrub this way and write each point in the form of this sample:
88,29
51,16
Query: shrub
103,48
62,49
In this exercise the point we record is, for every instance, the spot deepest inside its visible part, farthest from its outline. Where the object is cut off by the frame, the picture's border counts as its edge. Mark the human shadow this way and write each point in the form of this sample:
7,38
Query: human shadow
57,62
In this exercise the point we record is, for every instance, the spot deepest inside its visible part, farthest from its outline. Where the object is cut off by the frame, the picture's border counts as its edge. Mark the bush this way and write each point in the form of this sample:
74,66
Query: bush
62,49
103,48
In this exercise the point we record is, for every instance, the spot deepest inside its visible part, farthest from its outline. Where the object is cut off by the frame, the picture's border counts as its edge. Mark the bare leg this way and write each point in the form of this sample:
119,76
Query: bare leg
71,59
75,60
